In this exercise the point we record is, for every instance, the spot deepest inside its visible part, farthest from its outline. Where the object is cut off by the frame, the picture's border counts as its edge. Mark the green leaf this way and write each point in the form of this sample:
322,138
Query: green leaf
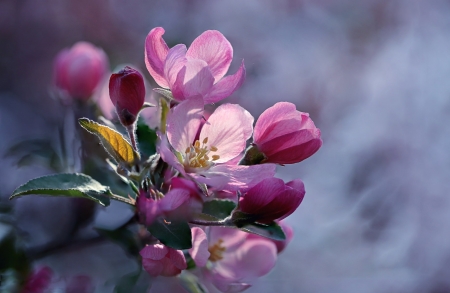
146,138
272,231
174,234
191,283
219,208
70,185
113,142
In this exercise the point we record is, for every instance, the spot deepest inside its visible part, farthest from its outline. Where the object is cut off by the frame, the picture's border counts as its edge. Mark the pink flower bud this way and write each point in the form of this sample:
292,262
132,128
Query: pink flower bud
160,260
127,93
285,135
79,70
271,200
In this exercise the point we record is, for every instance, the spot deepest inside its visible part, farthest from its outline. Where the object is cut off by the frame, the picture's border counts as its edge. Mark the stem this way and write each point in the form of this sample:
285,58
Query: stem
224,222
122,199
131,134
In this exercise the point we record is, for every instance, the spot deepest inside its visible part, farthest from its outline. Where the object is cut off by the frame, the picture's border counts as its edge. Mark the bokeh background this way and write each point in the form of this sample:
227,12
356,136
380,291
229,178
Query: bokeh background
374,76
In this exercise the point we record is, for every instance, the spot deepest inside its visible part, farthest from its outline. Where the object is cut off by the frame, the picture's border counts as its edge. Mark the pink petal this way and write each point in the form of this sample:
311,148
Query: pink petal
175,62
293,147
169,269
280,119
177,258
194,79
233,178
215,49
261,195
228,129
226,86
154,252
183,123
232,239
199,251
173,199
156,51
251,249
153,267
168,156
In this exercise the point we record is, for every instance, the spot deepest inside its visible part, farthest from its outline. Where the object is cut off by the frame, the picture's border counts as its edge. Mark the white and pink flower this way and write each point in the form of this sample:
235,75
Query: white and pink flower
197,71
210,158
160,260
234,259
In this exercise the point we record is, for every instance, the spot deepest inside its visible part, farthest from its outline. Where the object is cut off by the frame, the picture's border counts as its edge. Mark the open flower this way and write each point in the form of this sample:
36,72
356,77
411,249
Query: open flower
160,260
235,258
198,70
79,70
285,135
271,200
209,159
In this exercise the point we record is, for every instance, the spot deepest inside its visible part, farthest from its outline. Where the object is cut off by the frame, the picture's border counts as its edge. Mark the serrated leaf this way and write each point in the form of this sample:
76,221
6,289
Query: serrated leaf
174,234
272,231
114,143
68,185
219,208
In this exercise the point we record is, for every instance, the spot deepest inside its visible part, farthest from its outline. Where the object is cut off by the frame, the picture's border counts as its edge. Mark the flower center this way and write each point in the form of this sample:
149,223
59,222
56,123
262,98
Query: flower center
197,156
216,251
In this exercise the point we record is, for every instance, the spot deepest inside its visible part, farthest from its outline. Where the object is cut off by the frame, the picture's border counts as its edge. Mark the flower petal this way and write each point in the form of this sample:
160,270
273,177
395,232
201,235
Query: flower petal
156,51
175,62
280,119
226,86
153,267
260,195
177,258
183,123
199,251
173,199
154,252
233,178
228,129
168,156
194,79
215,49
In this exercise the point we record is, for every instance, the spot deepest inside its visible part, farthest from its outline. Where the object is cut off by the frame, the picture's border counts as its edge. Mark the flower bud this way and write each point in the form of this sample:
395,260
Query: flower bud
160,260
127,93
268,201
284,135
79,70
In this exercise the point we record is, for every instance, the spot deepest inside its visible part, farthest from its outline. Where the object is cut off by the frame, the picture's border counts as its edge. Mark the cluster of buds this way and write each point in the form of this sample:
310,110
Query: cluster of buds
208,196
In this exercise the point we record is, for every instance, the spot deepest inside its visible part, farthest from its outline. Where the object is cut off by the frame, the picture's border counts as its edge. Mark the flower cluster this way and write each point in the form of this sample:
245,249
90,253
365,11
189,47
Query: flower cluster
207,196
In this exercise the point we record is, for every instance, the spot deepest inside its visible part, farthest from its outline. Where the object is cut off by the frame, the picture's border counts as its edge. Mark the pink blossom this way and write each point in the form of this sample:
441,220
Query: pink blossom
127,92
197,71
285,135
236,259
38,281
78,70
160,260
209,158
271,199
152,205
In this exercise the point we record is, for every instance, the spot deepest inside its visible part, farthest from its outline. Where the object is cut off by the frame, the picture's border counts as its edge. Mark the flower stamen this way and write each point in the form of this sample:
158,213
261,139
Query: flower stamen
216,251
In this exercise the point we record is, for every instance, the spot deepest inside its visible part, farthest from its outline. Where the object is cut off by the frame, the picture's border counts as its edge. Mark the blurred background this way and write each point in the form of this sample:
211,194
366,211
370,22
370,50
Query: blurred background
374,76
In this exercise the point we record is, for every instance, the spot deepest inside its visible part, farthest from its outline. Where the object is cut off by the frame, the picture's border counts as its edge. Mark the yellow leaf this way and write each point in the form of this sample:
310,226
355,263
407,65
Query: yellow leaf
113,142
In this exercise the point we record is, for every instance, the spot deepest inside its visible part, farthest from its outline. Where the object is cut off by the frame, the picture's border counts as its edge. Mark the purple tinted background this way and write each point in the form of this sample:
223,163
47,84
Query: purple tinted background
372,74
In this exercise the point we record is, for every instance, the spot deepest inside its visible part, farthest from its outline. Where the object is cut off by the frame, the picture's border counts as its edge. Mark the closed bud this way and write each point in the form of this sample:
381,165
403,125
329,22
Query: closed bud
269,200
79,70
283,135
127,93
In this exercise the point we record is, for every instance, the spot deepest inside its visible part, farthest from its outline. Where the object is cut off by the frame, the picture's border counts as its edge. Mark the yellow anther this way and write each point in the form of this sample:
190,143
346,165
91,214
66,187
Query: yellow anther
215,157
205,140
216,251
213,148
188,149
197,144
